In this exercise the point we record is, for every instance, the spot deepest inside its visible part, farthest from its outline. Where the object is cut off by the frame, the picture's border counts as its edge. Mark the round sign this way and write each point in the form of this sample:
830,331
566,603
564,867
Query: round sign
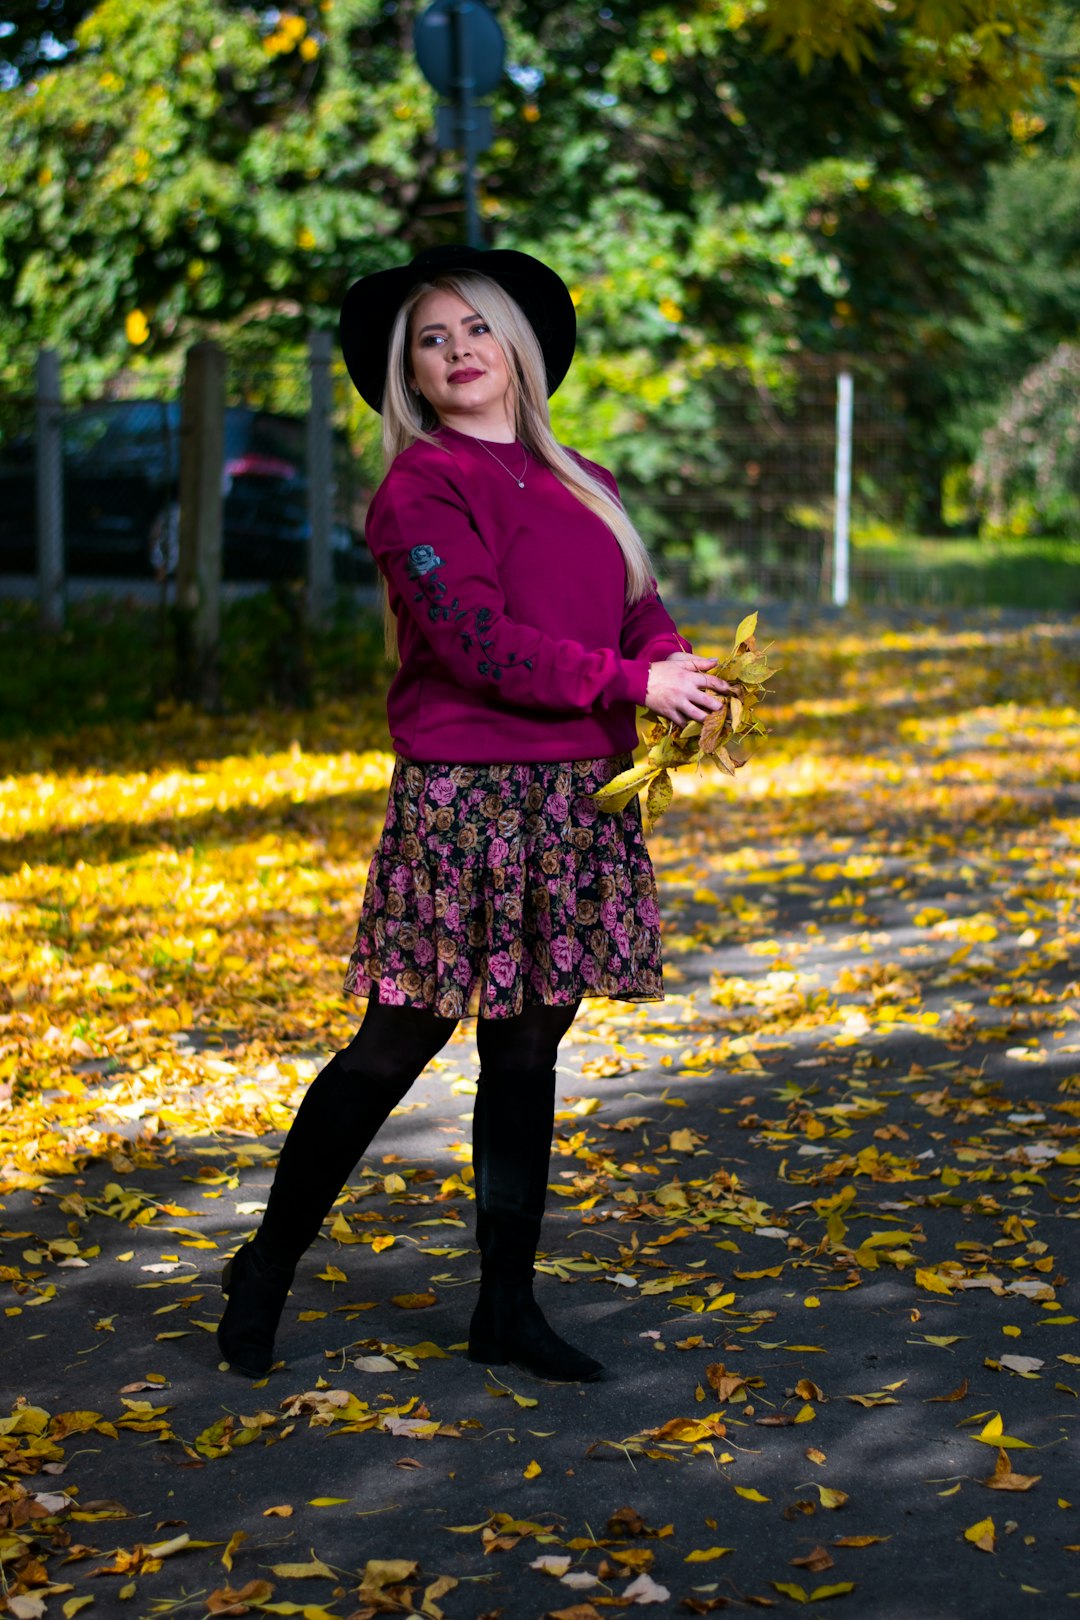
438,36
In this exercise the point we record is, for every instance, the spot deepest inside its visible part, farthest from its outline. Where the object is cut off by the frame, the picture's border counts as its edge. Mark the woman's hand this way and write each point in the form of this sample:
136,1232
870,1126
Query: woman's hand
681,689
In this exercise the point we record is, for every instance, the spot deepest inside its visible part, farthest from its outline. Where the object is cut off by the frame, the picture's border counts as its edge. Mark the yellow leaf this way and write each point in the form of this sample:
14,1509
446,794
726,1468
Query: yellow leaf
659,796
1003,1478
380,1573
830,1497
747,628
236,1541
805,1414
531,1471
791,1589
617,793
981,1535
304,1572
412,1302
329,1501
838,1589
750,1494
991,1435
282,1512
931,1281
683,1141
705,1555
73,1605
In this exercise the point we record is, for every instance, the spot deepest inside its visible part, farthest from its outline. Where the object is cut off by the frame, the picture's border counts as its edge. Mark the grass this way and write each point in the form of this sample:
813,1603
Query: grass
919,571
115,662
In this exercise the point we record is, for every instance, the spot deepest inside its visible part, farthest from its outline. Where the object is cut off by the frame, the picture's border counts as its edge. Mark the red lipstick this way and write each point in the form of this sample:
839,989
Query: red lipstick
465,375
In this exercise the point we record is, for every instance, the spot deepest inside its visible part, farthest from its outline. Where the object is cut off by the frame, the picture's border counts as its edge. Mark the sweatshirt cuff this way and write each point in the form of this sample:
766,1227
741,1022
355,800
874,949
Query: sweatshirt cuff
629,683
662,646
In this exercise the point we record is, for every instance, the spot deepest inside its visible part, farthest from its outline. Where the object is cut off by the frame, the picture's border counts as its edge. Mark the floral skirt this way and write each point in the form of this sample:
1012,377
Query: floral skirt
497,887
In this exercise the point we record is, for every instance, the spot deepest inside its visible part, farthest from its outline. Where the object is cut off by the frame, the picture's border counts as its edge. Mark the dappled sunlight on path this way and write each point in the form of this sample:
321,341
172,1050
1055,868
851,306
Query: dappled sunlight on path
817,1212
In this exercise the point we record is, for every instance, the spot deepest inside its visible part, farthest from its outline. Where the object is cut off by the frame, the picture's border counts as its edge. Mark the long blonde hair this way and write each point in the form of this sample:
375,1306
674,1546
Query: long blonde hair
407,417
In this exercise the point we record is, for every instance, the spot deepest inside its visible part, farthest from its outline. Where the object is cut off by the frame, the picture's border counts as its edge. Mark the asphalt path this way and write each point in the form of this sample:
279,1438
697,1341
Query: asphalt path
748,1183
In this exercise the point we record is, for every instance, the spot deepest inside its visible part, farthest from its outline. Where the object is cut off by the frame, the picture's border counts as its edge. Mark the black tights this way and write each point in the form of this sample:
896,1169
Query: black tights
348,1101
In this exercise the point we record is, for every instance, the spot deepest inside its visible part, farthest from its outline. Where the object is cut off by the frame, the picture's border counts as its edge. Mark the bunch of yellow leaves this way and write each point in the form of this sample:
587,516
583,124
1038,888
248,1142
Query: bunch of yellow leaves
725,738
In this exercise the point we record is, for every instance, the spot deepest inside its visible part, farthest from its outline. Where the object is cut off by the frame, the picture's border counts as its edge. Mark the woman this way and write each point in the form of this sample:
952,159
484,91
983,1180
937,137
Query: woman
528,628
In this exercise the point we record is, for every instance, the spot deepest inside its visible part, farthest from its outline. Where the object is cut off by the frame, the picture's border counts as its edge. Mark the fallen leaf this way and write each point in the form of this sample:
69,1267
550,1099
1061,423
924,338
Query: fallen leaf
957,1394
1003,1478
981,1535
643,1589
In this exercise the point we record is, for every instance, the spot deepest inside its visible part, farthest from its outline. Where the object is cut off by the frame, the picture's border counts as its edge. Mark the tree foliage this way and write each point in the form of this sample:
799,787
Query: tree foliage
726,183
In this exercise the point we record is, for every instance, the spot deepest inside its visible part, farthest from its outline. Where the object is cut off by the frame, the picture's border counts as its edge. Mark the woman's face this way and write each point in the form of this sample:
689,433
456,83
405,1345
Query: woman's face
459,368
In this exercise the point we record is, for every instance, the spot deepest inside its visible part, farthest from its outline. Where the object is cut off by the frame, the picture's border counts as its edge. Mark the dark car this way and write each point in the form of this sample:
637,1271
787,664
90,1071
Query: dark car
121,480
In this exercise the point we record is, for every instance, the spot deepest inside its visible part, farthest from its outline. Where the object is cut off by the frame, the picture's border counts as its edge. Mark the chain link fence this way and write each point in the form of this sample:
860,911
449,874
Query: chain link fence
762,528
118,468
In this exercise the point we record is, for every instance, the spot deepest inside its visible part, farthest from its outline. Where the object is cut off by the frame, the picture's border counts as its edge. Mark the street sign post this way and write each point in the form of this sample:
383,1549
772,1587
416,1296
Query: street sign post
461,50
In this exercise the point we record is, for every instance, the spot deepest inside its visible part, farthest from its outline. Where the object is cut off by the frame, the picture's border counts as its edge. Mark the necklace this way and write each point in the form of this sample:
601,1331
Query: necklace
520,482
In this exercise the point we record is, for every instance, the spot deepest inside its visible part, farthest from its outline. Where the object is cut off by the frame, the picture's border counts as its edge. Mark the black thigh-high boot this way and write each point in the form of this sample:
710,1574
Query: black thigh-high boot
342,1110
512,1125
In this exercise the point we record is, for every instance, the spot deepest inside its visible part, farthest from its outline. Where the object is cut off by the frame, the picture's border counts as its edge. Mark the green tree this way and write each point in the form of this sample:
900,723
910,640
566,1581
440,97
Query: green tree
727,184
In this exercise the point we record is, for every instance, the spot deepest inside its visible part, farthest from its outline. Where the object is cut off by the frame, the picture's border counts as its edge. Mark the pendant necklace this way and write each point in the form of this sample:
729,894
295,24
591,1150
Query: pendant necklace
520,482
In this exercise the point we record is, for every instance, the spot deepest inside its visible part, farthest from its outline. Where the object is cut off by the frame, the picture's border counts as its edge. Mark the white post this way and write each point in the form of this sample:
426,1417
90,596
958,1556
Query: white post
50,490
845,398
320,477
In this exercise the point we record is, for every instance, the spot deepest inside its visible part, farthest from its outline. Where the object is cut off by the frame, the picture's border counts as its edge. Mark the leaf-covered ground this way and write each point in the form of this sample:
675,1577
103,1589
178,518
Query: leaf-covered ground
816,1212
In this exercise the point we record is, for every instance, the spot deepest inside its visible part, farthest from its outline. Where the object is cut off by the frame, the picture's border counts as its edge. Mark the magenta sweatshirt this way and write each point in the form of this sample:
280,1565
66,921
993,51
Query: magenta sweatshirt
516,641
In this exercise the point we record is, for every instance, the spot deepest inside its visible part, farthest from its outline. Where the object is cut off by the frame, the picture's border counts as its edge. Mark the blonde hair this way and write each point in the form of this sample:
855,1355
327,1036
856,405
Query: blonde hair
407,417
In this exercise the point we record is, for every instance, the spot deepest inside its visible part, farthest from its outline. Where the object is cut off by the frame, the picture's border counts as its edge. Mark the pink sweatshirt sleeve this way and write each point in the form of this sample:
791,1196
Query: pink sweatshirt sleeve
420,534
649,632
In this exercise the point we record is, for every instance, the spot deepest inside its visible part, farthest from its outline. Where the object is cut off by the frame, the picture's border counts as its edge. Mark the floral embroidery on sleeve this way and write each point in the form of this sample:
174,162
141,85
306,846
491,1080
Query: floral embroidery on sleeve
424,560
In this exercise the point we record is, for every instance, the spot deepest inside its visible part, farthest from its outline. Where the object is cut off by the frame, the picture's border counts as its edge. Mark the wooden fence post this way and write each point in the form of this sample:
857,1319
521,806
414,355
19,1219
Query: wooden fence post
198,574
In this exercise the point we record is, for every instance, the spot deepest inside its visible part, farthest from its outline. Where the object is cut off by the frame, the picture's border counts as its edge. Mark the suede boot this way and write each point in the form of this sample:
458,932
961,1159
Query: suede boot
512,1125
256,1289
334,1125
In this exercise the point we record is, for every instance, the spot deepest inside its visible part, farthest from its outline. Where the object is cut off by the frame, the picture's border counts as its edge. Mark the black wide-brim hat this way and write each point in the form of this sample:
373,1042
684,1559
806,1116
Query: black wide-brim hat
371,304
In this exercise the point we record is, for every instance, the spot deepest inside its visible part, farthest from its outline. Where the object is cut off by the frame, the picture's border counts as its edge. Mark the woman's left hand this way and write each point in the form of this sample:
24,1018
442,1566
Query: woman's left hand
715,683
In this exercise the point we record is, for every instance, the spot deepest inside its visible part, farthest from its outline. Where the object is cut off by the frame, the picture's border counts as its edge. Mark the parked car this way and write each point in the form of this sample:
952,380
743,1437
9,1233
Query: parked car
121,479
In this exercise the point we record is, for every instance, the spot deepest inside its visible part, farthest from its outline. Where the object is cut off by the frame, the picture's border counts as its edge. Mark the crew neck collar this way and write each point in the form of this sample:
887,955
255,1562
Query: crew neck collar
492,444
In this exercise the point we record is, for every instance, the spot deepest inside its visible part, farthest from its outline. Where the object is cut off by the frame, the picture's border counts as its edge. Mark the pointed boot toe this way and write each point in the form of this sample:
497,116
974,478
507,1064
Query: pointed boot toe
256,1290
509,1326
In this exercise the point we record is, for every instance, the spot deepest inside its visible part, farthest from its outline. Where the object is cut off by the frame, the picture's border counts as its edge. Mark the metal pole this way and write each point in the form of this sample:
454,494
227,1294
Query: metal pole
845,395
320,476
467,120
50,490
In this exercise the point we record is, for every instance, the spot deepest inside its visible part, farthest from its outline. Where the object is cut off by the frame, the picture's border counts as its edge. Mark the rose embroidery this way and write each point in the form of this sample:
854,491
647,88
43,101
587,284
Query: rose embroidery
422,559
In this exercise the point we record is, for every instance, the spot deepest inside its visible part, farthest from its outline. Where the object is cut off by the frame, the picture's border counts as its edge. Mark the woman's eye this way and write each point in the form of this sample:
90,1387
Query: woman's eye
480,329
430,339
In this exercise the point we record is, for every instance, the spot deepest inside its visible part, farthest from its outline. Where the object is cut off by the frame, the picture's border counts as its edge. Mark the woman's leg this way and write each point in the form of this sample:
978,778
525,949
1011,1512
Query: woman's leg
512,1125
342,1110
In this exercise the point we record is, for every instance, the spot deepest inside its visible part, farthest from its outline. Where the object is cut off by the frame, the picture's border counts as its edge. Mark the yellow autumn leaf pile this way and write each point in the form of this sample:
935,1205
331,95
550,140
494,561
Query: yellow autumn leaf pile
724,739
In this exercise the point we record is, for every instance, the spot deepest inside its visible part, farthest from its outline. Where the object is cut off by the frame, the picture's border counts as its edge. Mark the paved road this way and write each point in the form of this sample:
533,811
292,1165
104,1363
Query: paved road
805,1210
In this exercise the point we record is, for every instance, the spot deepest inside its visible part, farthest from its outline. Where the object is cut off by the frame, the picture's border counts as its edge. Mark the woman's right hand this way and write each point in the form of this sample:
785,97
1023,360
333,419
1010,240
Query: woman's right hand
681,689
